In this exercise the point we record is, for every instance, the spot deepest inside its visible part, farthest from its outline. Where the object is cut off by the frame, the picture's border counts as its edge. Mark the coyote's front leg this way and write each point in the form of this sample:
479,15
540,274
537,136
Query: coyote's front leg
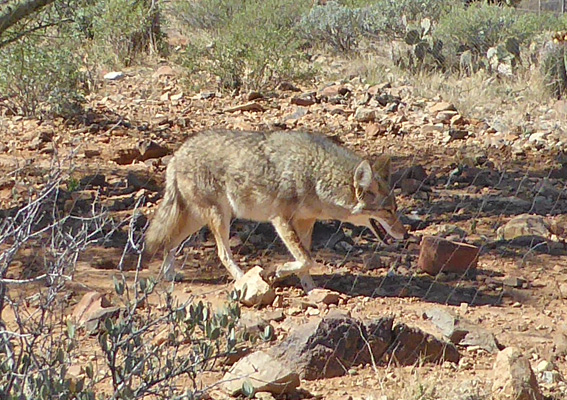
303,260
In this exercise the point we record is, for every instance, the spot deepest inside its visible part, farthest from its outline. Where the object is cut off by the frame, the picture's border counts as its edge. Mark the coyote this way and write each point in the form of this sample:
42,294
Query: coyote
288,178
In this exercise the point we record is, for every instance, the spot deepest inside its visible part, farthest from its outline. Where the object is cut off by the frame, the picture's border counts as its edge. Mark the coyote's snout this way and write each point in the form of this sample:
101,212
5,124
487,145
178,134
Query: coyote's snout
291,179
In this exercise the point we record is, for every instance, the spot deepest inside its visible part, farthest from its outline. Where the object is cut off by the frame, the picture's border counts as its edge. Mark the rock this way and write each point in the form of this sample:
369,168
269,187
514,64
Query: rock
458,134
90,181
438,254
93,308
263,373
429,129
164,70
125,155
372,261
363,114
445,116
524,225
305,100
114,76
374,129
410,186
90,300
328,347
150,149
334,90
458,120
545,188
139,180
299,113
412,346
513,377
442,106
253,95
91,153
251,107
255,291
543,365
514,281
416,172
324,296
288,87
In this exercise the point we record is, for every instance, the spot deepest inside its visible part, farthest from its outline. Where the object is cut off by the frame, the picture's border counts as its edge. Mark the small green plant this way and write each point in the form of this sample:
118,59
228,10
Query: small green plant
257,47
391,18
332,24
489,36
554,68
425,50
119,32
73,184
208,15
41,79
194,338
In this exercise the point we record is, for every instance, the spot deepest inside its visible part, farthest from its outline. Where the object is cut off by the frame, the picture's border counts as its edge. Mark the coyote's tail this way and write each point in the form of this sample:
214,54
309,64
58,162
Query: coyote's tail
167,221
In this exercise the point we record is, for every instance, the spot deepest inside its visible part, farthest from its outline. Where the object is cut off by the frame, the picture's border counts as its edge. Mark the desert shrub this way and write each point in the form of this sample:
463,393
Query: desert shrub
39,344
256,47
332,24
483,32
41,79
554,68
391,18
120,32
196,338
208,15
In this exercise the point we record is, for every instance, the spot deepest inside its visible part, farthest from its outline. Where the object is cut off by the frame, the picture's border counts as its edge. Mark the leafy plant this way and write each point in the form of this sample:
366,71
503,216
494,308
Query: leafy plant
425,50
40,79
257,47
332,24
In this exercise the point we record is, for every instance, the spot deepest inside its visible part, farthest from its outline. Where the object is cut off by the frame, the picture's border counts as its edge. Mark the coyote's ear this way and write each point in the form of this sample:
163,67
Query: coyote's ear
382,167
362,176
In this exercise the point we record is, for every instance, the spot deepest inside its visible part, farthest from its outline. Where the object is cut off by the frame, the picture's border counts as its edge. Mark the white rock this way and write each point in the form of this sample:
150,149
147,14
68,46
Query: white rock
264,374
513,377
256,291
114,75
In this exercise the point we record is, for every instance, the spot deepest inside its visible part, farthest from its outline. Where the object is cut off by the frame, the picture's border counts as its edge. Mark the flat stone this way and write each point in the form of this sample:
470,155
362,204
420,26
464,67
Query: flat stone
250,106
263,372
324,296
524,225
442,106
411,346
114,75
441,255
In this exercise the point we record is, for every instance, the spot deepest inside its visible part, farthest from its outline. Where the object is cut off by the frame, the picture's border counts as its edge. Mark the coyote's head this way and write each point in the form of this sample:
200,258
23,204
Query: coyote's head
375,205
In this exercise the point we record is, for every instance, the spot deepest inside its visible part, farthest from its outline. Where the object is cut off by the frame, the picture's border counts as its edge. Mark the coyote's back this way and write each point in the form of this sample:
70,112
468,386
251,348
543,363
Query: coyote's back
288,178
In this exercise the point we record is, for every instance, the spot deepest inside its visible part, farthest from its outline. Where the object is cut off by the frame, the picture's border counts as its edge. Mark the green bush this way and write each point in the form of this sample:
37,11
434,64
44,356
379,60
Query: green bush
334,25
391,18
208,15
475,30
119,32
42,79
554,68
256,47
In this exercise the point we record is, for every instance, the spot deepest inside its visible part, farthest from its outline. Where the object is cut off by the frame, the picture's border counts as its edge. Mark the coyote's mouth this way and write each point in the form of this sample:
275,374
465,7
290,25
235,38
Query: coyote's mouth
380,231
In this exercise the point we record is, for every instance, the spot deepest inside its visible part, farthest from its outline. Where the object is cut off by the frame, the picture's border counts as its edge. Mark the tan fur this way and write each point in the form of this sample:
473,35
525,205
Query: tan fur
291,179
